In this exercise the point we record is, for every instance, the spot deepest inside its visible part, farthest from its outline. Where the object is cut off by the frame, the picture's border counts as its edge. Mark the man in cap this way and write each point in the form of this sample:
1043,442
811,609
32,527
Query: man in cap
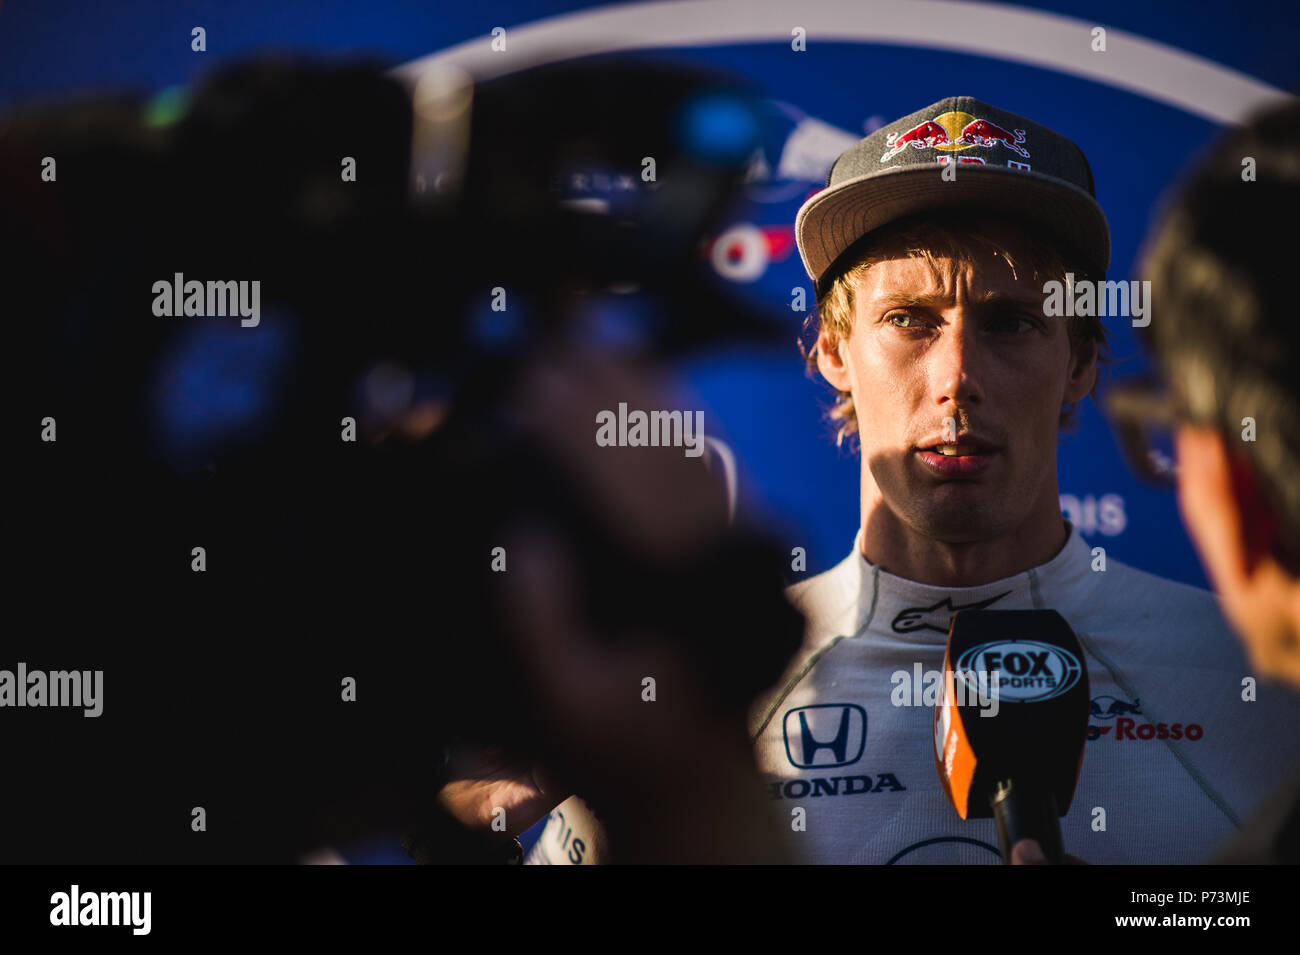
931,249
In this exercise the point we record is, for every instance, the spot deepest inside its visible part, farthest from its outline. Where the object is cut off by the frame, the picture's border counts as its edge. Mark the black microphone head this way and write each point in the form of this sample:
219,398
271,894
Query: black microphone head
1015,706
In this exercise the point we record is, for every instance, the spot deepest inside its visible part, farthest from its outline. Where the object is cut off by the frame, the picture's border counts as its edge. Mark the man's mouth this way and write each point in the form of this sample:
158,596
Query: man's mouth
963,459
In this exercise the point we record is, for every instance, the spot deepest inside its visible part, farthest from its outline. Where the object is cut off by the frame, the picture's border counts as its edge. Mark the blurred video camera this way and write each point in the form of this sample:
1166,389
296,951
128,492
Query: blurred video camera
267,330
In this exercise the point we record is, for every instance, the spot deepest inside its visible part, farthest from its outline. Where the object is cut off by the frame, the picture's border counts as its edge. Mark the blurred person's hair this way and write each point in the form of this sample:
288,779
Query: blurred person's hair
1223,280
949,235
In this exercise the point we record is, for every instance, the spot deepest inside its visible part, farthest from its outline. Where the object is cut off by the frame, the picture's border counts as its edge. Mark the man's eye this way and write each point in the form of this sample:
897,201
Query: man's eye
903,320
1011,324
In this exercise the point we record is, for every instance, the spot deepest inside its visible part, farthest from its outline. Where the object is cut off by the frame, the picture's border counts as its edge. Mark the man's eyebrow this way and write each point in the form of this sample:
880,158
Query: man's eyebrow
988,299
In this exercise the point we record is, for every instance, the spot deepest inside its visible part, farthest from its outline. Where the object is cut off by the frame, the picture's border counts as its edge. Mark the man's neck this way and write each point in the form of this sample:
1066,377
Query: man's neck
903,552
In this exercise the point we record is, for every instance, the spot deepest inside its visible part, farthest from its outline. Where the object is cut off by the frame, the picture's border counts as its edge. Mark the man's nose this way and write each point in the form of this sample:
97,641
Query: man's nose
957,358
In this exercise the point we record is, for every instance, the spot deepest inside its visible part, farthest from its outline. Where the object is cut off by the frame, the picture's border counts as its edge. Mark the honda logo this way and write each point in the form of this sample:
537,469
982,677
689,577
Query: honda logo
825,735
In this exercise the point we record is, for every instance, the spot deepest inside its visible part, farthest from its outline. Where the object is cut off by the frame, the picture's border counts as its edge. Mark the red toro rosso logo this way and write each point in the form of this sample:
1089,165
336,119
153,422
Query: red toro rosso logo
1108,707
955,131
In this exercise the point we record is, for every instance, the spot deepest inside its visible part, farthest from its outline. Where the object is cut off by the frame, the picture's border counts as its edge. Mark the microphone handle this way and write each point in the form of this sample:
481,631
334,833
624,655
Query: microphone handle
1025,811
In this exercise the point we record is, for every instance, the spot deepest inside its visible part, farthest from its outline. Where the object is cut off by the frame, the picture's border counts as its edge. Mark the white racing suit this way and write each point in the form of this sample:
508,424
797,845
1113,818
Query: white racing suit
1183,742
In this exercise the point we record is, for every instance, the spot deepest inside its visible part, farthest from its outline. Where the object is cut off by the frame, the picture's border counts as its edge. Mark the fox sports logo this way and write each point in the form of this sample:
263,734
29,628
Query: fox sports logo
1028,671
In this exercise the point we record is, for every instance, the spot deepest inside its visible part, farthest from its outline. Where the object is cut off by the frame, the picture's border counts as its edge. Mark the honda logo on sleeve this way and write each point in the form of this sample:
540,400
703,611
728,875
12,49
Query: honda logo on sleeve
825,735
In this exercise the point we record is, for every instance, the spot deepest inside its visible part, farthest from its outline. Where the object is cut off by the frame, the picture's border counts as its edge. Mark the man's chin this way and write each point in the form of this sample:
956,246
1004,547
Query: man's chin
961,512
1271,649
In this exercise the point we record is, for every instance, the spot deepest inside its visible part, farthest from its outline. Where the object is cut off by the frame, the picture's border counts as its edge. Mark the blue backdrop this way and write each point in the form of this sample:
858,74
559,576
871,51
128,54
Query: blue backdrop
760,402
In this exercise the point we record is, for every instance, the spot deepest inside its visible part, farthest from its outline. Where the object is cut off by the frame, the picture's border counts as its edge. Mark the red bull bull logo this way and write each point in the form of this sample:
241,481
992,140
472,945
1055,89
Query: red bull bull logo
983,133
927,135
955,131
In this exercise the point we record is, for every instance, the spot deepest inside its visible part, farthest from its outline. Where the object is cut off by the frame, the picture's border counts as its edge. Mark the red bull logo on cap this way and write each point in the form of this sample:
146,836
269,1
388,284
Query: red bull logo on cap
955,131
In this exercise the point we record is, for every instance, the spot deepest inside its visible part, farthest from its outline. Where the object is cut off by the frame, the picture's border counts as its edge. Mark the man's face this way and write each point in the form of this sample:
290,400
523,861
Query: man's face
967,343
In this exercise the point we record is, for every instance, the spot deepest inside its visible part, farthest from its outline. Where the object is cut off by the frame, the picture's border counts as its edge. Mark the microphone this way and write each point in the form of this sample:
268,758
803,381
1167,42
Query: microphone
1010,729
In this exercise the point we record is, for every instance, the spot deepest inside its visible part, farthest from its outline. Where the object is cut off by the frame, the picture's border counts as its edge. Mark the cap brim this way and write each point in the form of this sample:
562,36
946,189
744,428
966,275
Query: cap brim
837,217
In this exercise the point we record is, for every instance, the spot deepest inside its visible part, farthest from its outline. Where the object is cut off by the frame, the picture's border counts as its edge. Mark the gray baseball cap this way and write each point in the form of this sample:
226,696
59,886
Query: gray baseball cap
1007,165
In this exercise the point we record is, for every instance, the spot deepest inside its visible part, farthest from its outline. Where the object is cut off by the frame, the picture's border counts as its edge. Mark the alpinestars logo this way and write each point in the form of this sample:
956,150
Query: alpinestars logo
913,618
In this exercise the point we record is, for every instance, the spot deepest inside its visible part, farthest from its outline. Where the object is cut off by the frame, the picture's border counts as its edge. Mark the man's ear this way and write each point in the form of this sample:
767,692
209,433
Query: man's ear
1230,521
1259,524
831,360
1082,377
1205,501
